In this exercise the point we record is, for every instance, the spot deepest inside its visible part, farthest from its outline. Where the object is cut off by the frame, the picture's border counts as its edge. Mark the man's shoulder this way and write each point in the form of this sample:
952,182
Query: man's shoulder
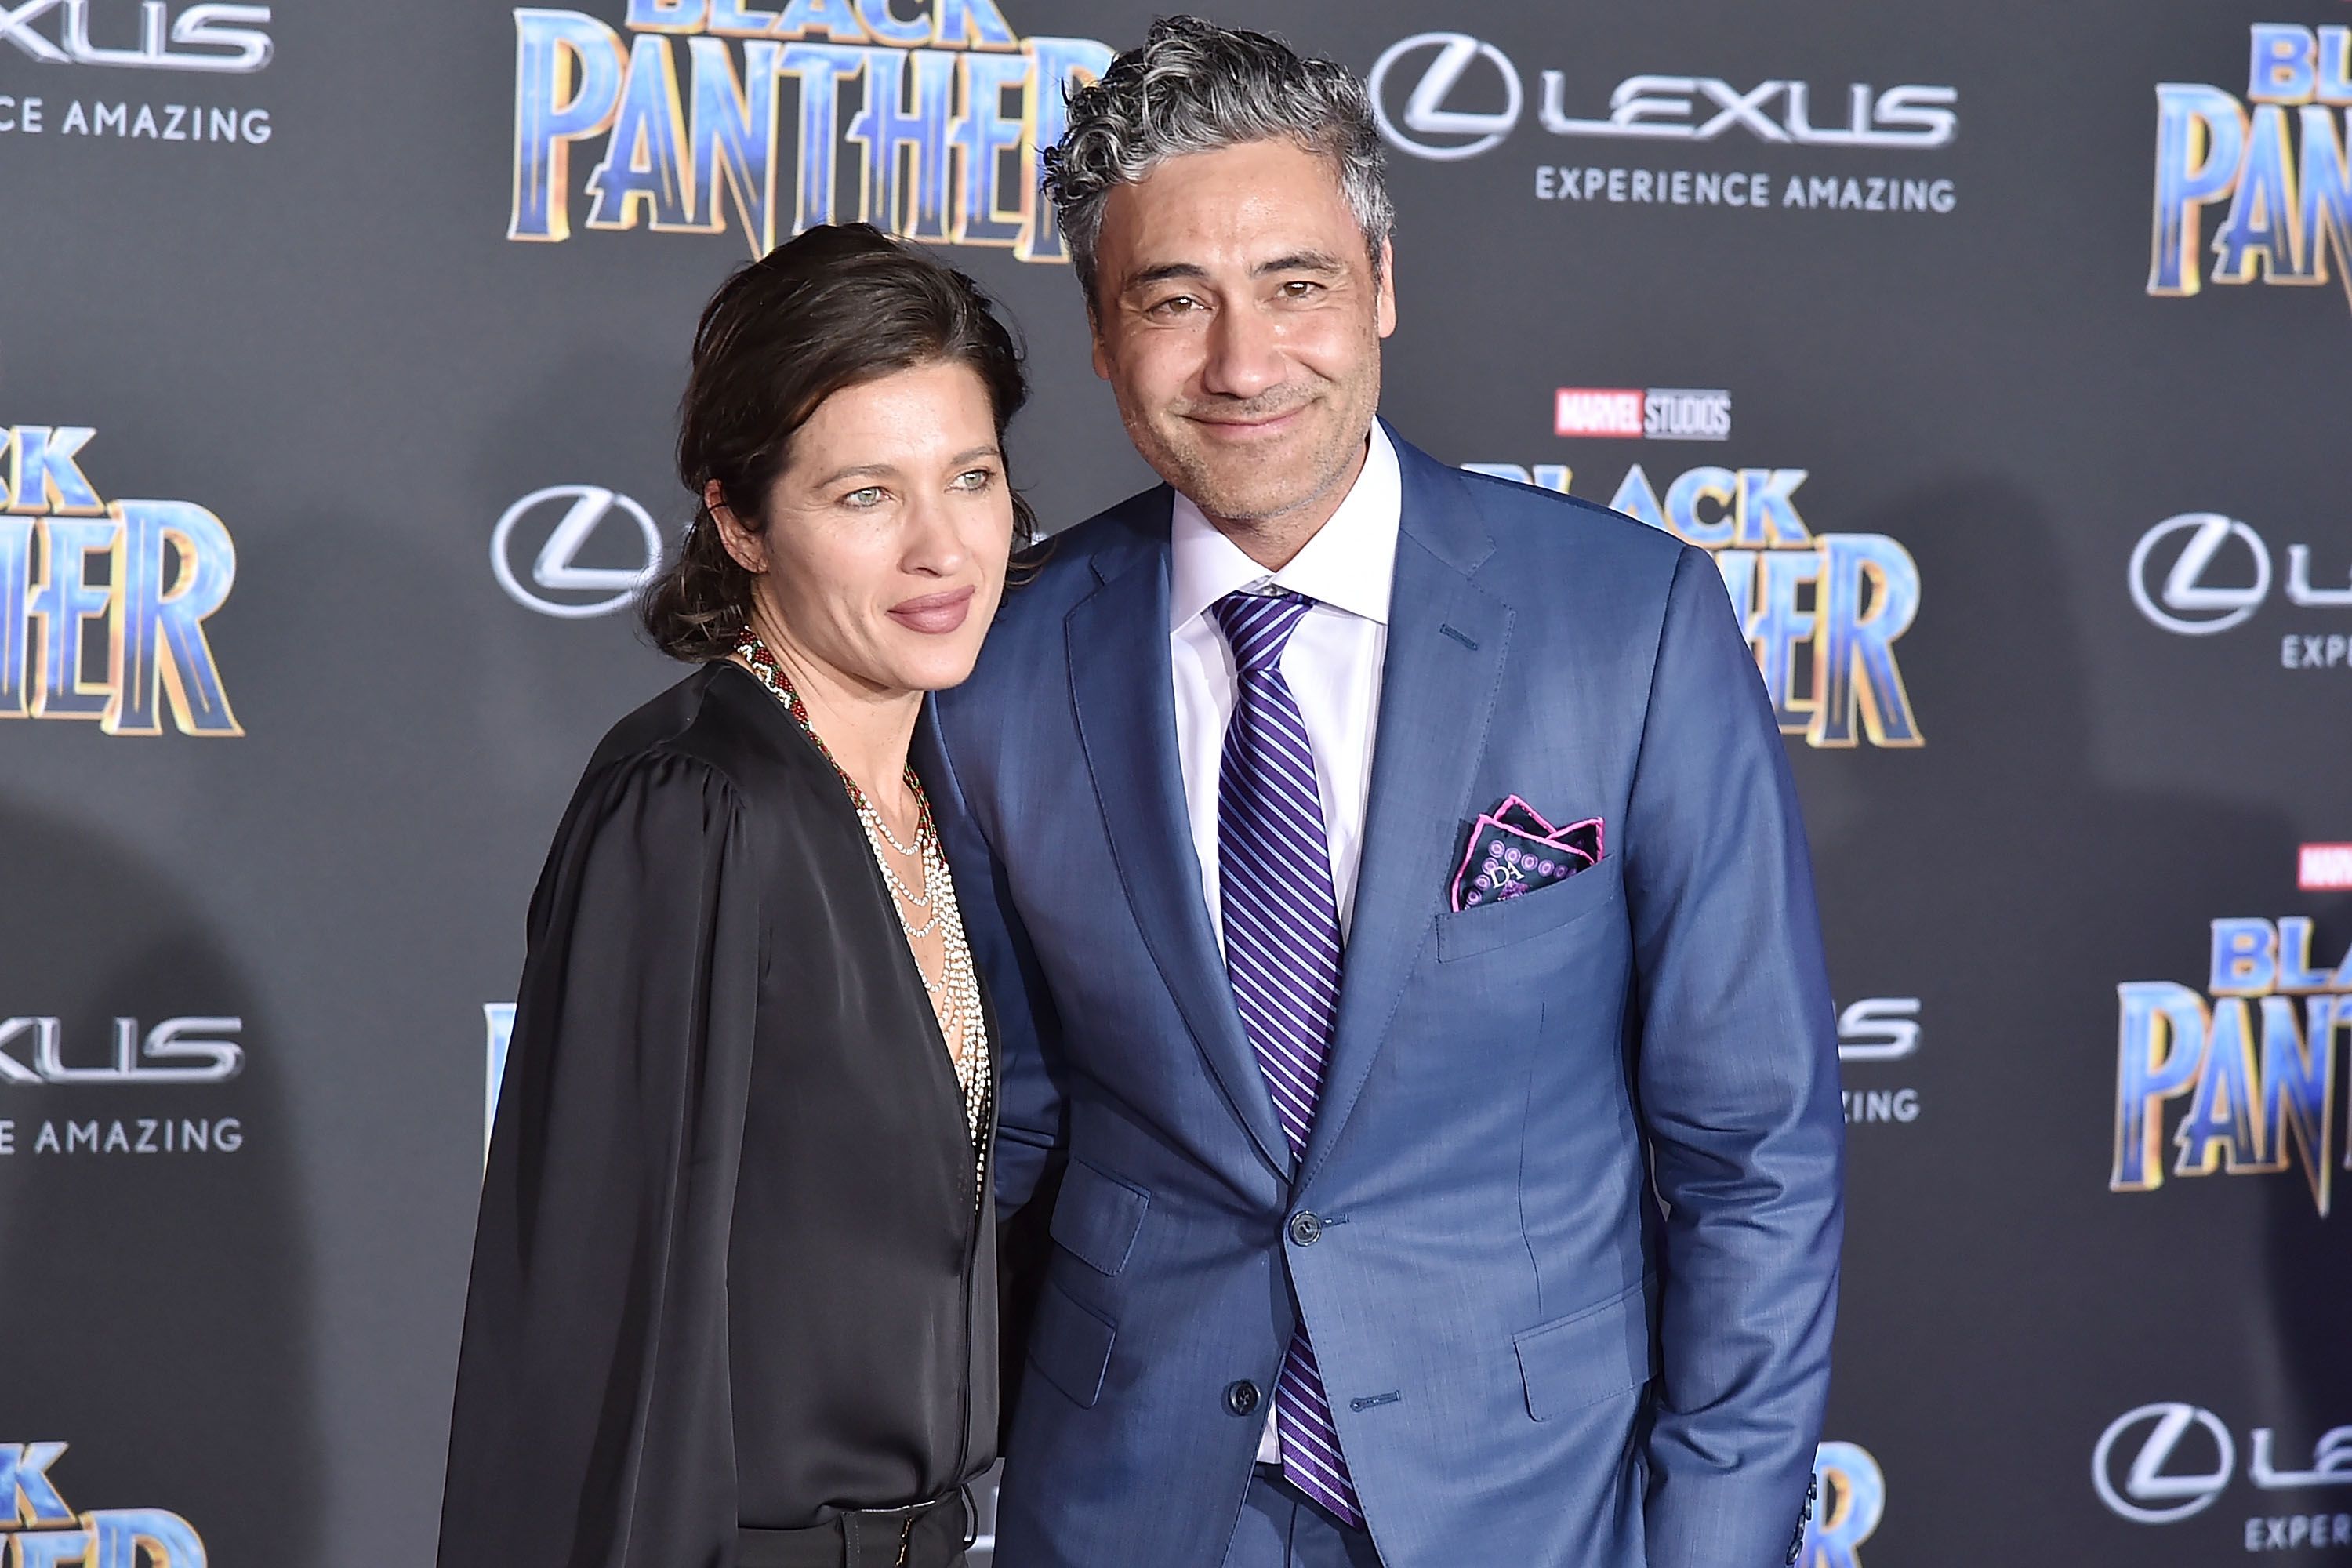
1051,575
1527,518
1046,581
1526,535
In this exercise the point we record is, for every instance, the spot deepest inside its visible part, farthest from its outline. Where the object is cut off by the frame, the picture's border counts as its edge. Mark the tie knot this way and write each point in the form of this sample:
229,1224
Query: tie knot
1257,626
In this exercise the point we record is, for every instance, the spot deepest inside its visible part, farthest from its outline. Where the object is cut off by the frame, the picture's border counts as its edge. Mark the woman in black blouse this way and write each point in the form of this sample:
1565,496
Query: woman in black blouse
733,1299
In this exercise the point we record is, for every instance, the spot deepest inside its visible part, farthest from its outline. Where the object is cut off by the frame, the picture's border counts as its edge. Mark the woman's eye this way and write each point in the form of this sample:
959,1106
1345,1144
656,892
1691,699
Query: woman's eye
868,496
975,478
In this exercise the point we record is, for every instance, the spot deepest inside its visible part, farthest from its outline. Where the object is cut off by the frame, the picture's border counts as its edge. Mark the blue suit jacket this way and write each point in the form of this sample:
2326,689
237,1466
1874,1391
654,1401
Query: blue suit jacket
1577,1158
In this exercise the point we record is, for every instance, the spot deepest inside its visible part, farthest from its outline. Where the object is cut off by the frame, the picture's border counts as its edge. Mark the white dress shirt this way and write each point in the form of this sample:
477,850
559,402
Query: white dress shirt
1332,665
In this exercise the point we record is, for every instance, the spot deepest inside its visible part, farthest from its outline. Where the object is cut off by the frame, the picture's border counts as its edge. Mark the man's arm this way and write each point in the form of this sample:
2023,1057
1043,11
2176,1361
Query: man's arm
1025,1033
1025,1036
1739,1088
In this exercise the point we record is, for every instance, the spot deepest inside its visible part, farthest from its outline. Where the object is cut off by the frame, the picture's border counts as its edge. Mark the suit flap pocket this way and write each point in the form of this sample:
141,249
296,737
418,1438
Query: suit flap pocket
1484,927
1070,1345
1096,1217
1587,1356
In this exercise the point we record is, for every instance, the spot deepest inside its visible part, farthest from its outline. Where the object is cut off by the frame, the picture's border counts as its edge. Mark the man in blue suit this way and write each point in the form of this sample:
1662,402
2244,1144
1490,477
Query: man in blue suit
1399,933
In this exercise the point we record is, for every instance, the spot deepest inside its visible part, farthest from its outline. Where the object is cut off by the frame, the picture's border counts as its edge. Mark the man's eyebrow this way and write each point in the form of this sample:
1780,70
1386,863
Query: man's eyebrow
1321,263
1301,261
1167,272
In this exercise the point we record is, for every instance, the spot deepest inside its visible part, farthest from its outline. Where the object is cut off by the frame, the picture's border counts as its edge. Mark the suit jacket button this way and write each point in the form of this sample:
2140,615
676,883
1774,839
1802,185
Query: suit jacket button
1241,1398
1306,1228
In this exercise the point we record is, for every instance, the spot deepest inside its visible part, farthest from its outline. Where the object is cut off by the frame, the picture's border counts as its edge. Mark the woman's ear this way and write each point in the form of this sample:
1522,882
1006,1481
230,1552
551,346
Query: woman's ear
744,546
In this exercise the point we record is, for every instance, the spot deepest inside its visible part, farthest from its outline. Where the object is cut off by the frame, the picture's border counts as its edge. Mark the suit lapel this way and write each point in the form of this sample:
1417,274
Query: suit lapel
1447,642
1125,699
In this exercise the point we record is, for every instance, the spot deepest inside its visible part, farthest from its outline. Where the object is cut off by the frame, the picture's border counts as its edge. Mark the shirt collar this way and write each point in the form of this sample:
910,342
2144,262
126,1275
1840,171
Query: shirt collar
1349,564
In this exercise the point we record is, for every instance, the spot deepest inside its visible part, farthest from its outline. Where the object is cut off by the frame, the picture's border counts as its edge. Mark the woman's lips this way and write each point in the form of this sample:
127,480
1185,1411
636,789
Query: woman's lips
934,614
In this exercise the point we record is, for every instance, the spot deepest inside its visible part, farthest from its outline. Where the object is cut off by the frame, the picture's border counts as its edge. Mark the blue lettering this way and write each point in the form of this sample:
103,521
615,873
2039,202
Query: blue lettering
985,137
158,637
568,74
2201,133
893,136
822,68
641,167
2160,1050
1869,597
1850,1501
1063,65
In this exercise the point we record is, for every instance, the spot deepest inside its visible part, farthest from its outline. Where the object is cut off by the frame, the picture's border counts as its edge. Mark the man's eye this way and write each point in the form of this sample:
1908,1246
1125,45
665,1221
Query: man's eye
1176,305
1301,288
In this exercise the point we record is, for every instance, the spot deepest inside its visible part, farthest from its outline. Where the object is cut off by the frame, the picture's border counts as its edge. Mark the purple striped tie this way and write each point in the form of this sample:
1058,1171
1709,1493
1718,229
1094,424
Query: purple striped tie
1282,951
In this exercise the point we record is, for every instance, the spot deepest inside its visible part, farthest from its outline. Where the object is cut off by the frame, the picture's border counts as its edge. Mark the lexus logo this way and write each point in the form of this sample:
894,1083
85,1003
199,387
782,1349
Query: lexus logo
212,42
2185,588
1879,1029
2188,601
2171,1473
555,568
1646,107
1424,109
166,1053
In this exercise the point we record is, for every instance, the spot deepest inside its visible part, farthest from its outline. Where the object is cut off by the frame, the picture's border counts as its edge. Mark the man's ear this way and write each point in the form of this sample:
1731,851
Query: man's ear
745,548
1094,333
1386,305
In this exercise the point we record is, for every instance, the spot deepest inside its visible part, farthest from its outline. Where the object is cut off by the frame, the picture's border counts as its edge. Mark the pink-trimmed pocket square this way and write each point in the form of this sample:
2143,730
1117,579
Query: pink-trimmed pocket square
1514,851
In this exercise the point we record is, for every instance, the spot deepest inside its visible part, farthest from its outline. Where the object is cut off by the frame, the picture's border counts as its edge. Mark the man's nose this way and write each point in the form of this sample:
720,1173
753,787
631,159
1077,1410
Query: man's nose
1245,355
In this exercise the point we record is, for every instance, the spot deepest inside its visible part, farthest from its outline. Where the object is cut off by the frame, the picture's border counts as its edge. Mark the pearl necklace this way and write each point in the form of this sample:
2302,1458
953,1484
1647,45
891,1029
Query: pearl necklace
955,995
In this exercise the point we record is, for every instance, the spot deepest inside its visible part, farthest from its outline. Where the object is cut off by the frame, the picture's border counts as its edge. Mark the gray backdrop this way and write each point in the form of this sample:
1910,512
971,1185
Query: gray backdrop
2014,396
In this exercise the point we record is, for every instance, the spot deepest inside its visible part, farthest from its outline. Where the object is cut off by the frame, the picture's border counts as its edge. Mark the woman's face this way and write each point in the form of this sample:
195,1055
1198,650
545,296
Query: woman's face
886,534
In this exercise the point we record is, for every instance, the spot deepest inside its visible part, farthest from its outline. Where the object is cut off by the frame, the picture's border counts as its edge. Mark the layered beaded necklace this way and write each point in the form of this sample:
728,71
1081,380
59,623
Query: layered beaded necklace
955,995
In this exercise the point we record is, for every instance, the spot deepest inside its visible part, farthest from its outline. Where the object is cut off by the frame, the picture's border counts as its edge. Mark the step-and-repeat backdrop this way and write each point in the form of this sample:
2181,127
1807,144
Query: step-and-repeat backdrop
1998,352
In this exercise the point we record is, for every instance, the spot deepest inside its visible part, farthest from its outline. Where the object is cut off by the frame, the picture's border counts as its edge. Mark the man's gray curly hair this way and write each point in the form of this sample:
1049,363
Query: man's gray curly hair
1194,87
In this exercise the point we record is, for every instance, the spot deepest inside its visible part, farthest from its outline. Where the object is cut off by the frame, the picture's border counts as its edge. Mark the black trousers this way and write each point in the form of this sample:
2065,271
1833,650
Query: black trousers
929,1535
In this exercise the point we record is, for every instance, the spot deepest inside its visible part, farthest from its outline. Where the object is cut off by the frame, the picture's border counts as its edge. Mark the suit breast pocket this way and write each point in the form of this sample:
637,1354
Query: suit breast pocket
1462,934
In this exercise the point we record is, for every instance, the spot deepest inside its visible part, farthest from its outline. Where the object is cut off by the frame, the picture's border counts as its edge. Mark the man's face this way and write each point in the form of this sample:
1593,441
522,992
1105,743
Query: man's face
1237,319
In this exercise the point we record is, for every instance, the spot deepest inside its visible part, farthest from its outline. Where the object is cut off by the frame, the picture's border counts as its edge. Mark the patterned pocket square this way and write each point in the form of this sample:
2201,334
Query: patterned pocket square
1513,851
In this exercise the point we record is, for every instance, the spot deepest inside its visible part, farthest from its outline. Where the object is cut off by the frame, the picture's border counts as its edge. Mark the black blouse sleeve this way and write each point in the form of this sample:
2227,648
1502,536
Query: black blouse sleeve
592,1421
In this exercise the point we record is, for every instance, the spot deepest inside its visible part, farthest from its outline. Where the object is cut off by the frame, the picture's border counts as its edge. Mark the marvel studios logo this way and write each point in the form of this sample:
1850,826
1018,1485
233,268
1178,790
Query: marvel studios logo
1658,414
2324,869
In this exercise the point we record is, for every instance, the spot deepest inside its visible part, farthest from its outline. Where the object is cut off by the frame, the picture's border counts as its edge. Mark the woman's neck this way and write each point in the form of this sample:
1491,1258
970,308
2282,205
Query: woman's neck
866,729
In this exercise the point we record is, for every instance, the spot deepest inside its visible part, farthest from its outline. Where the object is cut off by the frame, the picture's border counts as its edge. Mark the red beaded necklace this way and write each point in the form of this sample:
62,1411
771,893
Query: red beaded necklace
771,675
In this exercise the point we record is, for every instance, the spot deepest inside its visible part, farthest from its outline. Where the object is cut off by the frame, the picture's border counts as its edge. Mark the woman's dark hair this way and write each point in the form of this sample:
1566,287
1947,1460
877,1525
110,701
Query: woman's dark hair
834,307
